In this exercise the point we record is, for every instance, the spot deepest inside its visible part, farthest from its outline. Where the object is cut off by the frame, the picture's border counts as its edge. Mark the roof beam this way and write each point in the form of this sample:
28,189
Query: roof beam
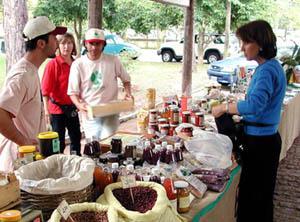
182,3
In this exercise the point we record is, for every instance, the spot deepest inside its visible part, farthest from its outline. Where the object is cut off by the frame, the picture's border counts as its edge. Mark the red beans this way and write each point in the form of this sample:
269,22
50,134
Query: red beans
144,198
90,216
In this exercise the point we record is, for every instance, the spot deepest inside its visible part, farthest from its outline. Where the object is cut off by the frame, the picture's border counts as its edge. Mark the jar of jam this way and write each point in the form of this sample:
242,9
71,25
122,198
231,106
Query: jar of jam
152,128
164,129
116,145
172,129
174,114
199,119
130,151
161,121
153,113
187,131
186,117
183,196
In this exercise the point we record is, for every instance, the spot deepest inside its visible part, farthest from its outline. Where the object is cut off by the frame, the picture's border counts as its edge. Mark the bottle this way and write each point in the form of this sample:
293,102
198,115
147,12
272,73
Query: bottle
156,154
147,152
163,151
115,172
183,196
169,187
169,155
155,177
178,152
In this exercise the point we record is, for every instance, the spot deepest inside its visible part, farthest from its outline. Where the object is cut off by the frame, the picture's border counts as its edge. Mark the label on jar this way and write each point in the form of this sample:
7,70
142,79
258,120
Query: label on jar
184,202
55,145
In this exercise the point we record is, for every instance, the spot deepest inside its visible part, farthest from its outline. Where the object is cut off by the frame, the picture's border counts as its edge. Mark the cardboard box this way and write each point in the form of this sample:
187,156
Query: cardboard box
9,193
111,108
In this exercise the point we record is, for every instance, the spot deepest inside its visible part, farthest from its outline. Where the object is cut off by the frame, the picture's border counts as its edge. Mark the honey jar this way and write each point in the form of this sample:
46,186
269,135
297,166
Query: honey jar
183,196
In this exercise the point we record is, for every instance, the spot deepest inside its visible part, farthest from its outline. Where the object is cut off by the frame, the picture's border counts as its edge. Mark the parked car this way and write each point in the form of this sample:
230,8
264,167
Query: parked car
115,45
226,71
213,51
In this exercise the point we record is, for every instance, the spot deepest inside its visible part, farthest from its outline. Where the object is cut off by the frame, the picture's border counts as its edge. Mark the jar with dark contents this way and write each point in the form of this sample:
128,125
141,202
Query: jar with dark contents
116,145
199,119
187,131
115,171
186,117
162,121
170,155
155,177
130,151
152,127
163,151
172,131
183,196
164,129
153,113
147,152
112,158
178,152
92,149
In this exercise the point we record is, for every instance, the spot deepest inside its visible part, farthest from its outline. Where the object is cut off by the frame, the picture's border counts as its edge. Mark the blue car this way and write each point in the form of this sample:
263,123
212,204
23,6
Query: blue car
226,71
116,46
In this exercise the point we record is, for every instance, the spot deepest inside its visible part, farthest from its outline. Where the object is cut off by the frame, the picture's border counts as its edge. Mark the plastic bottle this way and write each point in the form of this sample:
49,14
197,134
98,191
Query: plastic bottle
115,172
163,151
147,152
178,152
169,187
170,157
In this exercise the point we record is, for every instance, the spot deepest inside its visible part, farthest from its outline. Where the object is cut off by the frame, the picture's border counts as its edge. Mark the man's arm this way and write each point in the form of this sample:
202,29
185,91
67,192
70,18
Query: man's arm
127,88
47,116
10,131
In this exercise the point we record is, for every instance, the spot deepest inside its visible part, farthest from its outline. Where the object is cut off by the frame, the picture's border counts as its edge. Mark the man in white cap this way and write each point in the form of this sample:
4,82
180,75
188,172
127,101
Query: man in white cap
21,108
93,80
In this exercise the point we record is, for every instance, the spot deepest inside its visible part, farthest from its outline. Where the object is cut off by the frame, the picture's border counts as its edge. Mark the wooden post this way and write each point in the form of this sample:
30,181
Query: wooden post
227,27
95,13
188,50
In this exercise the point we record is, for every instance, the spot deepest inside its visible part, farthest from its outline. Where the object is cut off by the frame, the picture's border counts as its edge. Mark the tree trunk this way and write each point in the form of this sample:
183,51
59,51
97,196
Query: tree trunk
188,50
95,13
227,27
14,20
77,25
200,47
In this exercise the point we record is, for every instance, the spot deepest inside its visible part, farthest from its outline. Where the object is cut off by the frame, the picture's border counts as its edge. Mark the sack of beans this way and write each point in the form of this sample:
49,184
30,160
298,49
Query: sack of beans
90,212
146,202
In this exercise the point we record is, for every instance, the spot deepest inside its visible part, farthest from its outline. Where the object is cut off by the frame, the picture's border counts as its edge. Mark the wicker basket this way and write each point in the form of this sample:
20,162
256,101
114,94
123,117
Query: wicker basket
48,203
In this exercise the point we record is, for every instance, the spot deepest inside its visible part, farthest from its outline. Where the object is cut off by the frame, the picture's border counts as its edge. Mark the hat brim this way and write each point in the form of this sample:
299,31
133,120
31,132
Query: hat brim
94,40
59,30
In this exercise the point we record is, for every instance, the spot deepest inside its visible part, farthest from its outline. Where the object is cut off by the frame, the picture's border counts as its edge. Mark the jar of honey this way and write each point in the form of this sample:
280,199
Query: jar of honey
27,153
183,196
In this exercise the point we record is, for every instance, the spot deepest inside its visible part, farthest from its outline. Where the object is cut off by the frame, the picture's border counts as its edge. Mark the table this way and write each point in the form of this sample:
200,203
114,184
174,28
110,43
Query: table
289,127
213,206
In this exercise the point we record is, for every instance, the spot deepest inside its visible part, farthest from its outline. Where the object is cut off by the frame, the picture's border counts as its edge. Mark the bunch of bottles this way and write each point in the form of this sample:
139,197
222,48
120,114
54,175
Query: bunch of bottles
154,153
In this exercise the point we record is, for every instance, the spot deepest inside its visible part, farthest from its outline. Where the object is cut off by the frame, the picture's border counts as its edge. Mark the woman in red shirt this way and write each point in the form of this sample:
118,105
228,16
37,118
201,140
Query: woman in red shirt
56,100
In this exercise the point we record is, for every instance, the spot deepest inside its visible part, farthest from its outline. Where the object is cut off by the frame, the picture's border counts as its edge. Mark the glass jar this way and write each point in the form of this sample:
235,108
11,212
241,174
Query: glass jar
172,129
183,196
187,131
27,153
174,115
186,117
10,215
153,113
199,119
116,145
161,121
164,129
130,151
152,128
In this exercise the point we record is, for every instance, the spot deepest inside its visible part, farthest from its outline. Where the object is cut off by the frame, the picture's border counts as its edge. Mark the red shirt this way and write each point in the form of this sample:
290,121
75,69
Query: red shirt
55,83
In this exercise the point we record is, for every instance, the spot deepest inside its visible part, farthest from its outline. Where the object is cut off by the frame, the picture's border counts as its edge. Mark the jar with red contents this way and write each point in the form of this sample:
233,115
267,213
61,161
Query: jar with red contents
186,117
174,114
152,128
172,129
187,131
162,121
164,129
153,113
199,119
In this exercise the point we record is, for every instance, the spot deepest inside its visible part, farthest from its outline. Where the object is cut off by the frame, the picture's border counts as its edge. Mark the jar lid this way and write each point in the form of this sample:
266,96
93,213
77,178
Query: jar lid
115,165
116,138
153,110
162,119
165,125
181,184
130,167
199,113
26,149
152,123
186,113
48,135
10,215
169,147
39,156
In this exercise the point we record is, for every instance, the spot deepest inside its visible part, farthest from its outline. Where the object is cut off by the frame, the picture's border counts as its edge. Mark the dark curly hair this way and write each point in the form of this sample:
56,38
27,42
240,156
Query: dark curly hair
260,32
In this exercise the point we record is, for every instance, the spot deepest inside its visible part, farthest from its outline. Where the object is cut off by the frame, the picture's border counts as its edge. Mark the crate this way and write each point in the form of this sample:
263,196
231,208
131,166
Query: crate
9,193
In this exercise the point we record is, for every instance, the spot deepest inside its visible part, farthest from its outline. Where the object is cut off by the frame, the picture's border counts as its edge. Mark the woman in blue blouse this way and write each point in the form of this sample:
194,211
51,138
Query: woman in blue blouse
262,105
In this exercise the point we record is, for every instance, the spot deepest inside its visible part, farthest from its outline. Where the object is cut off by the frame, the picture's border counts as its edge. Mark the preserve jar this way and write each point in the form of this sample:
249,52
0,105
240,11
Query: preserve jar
172,129
183,196
186,117
174,114
10,215
164,129
199,119
153,113
152,128
187,131
116,145
130,151
161,121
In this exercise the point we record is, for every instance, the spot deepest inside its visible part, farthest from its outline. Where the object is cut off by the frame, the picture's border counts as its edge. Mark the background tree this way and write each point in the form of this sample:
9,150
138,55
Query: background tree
13,28
70,12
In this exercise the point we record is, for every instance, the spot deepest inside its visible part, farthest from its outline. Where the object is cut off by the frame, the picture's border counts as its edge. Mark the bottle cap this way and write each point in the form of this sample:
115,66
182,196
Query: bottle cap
164,143
115,166
180,184
169,147
177,145
130,167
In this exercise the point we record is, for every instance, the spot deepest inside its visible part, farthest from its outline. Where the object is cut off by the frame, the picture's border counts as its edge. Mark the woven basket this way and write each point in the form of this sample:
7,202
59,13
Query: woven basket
48,203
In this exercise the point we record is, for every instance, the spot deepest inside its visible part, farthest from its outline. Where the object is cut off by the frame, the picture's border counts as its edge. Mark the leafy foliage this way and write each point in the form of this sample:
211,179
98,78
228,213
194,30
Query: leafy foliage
289,62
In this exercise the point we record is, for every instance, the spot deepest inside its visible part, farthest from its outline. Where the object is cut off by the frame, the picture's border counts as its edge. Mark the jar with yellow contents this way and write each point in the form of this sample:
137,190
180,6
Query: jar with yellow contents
183,196
27,153
10,215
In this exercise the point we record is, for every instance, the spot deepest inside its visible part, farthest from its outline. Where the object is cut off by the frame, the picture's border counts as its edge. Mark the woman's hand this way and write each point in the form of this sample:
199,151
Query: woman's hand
128,97
82,107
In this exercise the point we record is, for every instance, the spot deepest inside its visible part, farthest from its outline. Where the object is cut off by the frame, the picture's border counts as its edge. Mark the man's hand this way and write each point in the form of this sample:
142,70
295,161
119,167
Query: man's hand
128,97
218,110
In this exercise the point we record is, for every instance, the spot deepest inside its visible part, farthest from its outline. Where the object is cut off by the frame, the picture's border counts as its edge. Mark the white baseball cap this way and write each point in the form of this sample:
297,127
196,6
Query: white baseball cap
41,25
94,35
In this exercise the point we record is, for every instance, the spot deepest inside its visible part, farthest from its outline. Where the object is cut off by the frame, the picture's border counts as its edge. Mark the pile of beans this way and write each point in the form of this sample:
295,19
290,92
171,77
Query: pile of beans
90,216
144,198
